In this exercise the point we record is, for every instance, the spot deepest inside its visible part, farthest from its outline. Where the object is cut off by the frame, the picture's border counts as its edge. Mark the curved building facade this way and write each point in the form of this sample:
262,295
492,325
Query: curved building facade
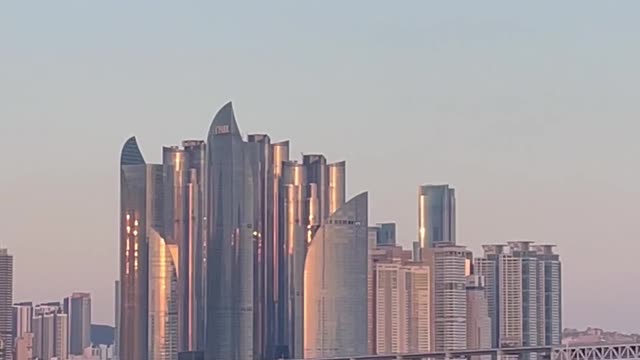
335,284
231,242
185,220
337,185
163,298
295,199
141,209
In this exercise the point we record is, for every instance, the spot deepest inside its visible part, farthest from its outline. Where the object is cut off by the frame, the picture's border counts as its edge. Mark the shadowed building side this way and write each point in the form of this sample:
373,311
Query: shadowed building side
230,247
335,284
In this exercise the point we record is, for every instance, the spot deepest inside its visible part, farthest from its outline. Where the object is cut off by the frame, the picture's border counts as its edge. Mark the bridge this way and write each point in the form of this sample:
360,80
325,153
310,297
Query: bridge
582,352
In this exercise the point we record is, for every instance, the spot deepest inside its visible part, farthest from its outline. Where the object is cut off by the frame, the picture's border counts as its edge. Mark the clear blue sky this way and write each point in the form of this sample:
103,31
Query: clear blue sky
530,111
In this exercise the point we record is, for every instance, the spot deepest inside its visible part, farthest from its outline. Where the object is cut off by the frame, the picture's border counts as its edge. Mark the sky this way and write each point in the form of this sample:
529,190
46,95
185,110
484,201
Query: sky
528,109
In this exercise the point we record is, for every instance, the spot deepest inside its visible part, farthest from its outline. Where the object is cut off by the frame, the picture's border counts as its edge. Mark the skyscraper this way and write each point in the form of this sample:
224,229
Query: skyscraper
487,267
450,266
22,315
280,299
6,301
141,210
337,185
51,332
523,290
185,226
335,284
386,234
295,234
478,322
549,295
436,215
382,254
403,307
163,298
78,308
116,335
231,242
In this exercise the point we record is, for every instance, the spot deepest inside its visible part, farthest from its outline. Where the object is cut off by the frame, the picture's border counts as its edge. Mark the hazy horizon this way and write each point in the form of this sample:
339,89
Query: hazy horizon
529,112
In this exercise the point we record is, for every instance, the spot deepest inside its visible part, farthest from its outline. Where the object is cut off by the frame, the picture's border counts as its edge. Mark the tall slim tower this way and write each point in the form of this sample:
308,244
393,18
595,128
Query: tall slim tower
231,242
6,301
163,298
478,322
185,221
436,215
280,156
22,315
295,242
487,267
141,210
116,335
549,295
450,269
78,308
335,284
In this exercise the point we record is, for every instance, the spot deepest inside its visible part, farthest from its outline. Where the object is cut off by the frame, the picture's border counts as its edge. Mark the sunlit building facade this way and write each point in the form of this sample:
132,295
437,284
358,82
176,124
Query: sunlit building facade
523,290
335,284
141,210
185,227
450,266
436,215
163,298
403,307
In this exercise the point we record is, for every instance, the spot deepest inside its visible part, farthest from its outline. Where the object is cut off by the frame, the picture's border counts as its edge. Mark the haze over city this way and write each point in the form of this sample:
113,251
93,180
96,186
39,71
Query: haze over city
527,111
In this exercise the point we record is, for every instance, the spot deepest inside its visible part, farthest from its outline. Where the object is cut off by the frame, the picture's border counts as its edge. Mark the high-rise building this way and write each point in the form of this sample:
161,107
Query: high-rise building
116,335
185,226
376,255
6,301
450,266
163,298
141,211
403,307
386,234
232,238
436,215
191,355
523,288
295,235
24,347
78,308
22,315
335,284
280,253
478,322
50,331
549,295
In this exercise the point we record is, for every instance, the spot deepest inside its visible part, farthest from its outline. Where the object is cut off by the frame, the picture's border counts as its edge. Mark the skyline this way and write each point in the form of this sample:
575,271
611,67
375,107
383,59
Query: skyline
534,194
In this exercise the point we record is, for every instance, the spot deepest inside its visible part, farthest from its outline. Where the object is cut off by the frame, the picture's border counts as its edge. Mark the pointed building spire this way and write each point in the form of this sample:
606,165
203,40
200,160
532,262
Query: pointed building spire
224,122
131,154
